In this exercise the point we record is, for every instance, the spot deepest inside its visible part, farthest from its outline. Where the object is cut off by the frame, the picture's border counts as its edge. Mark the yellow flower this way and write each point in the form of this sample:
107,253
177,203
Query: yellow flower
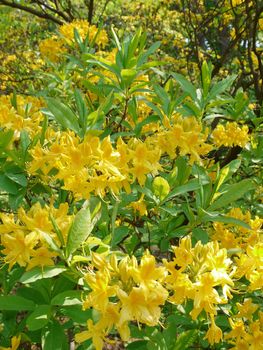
52,49
139,206
214,333
94,332
206,297
84,29
183,253
147,271
238,329
230,135
18,247
41,257
101,290
250,264
246,309
137,306
15,341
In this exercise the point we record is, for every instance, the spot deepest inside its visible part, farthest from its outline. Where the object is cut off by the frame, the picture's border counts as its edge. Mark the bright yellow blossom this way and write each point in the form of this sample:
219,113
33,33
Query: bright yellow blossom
230,135
15,342
214,333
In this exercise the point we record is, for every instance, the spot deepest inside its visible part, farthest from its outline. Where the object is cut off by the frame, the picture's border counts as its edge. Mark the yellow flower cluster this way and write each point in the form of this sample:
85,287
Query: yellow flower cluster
250,265
22,235
122,292
26,115
246,333
230,135
95,166
194,274
182,136
84,29
52,49
232,236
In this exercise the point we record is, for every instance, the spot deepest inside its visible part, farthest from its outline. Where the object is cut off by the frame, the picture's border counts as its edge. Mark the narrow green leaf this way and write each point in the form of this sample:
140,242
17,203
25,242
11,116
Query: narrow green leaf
217,217
233,193
186,85
119,234
57,230
50,241
206,77
192,185
221,87
144,56
116,39
63,115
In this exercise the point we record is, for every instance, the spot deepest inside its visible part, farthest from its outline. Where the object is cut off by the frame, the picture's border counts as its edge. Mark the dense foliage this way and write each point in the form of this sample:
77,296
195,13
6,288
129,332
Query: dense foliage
131,175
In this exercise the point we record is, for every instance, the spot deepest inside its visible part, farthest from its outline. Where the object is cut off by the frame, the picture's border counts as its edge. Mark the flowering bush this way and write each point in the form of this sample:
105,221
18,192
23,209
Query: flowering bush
131,204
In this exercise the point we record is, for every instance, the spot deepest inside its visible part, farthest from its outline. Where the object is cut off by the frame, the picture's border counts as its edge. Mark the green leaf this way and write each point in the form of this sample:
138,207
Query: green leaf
18,178
220,87
63,115
116,39
137,345
148,120
76,313
160,187
233,193
225,174
185,85
57,230
69,297
50,241
119,234
144,56
186,339
16,200
32,294
92,117
128,75
37,273
53,337
217,217
192,185
200,235
5,138
7,185
133,46
16,303
80,230
206,77
82,108
39,318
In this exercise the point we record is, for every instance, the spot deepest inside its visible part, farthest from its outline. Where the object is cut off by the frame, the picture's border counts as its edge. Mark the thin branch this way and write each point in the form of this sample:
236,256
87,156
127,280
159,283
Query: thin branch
32,11
54,10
